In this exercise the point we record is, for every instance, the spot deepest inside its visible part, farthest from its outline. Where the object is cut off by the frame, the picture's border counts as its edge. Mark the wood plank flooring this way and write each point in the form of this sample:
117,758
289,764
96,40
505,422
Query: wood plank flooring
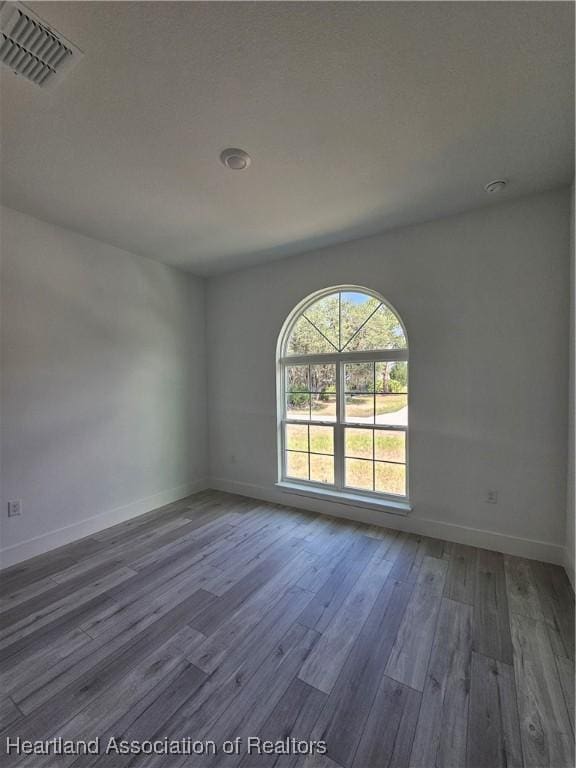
220,617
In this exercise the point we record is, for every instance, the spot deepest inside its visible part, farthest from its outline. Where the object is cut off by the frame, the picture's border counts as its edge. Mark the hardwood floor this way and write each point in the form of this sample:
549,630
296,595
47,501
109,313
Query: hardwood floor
220,617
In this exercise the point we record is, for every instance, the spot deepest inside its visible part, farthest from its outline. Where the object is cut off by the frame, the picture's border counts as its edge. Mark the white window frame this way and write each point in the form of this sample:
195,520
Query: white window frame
338,491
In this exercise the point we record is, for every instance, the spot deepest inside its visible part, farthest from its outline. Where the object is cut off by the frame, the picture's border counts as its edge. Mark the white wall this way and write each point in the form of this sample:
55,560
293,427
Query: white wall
571,496
484,296
103,385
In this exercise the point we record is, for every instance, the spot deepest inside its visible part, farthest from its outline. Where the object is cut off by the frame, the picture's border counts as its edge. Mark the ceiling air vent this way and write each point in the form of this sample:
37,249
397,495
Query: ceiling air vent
32,49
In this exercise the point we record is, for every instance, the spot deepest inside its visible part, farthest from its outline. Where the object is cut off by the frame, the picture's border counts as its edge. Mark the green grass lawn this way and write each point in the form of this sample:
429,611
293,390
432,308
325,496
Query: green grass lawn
360,405
387,478
388,446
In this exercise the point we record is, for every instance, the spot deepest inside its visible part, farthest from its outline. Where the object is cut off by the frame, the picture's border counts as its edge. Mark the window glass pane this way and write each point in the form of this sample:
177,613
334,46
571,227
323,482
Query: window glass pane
358,443
359,408
297,437
323,407
297,465
390,478
323,385
359,474
297,378
359,377
321,439
381,331
392,376
325,314
298,405
389,446
356,308
392,409
323,378
322,469
306,340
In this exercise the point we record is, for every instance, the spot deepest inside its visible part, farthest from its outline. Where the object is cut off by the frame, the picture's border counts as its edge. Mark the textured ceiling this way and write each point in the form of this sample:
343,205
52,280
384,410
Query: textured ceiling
358,116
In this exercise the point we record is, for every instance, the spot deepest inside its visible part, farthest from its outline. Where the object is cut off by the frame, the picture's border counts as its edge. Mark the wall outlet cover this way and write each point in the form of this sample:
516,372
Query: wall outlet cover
14,508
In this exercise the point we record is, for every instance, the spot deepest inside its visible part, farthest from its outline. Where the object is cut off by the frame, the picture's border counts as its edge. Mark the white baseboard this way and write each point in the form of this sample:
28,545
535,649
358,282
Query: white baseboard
54,539
499,542
512,545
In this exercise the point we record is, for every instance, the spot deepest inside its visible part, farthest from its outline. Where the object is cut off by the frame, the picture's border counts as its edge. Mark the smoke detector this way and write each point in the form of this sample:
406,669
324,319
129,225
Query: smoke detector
235,159
495,186
33,49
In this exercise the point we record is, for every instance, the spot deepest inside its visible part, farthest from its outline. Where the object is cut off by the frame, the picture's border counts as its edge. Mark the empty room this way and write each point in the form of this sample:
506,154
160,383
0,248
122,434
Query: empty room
287,384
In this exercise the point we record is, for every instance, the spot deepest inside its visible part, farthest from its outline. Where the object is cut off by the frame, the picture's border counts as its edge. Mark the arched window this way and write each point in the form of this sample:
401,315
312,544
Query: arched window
343,395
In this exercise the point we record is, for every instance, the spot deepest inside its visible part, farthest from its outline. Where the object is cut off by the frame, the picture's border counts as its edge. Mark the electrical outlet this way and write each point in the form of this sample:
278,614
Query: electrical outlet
14,508
491,497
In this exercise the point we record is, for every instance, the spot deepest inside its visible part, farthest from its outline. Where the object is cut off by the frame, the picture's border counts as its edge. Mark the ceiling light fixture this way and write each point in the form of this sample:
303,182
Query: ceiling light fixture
495,186
235,159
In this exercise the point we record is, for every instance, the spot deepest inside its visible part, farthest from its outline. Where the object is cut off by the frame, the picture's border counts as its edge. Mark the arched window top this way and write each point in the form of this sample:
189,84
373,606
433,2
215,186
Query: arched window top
341,320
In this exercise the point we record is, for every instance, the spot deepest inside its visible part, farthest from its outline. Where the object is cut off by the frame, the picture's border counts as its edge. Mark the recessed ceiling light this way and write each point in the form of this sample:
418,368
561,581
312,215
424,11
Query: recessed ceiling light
235,159
495,186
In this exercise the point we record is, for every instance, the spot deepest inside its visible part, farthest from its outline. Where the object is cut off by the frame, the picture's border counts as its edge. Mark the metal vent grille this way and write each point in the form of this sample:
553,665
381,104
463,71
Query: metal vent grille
31,48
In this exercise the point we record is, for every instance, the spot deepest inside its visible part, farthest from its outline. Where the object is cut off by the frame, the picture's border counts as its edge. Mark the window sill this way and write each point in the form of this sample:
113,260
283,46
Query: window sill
344,497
